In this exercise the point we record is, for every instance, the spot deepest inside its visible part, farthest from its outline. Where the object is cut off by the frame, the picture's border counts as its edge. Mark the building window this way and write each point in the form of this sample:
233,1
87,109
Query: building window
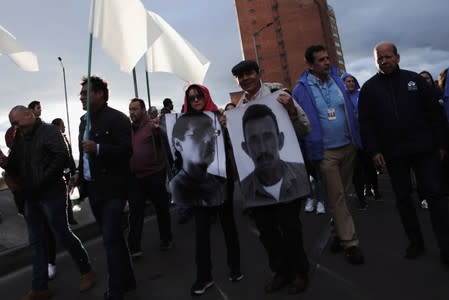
252,10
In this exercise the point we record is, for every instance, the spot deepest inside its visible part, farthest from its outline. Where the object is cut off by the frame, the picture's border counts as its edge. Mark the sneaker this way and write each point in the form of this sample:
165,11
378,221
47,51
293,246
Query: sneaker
136,254
166,245
298,285
320,208
276,283
368,193
354,255
415,250
424,204
200,287
309,205
51,271
87,281
235,276
38,295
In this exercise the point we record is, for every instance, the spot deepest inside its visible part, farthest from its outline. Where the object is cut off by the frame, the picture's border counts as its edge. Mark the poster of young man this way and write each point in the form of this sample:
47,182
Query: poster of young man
267,153
199,164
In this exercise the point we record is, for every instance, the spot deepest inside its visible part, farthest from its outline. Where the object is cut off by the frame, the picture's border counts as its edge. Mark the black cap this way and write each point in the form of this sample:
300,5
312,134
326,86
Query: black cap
245,66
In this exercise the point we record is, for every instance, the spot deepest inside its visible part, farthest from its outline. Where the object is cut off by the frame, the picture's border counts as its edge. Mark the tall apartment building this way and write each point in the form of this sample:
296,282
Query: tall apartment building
277,32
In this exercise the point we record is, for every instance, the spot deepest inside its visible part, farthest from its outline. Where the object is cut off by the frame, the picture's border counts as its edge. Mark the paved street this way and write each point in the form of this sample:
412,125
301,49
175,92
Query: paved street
169,275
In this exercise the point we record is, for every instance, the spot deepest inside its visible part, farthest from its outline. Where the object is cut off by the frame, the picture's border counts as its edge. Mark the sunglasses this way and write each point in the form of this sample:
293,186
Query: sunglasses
195,97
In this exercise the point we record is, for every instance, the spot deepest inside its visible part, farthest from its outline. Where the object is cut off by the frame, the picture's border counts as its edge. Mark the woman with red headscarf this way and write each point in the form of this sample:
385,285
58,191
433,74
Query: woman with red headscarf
197,99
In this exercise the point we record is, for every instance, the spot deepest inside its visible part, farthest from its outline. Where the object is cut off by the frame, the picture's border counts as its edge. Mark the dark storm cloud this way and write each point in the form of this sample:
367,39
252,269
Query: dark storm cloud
418,28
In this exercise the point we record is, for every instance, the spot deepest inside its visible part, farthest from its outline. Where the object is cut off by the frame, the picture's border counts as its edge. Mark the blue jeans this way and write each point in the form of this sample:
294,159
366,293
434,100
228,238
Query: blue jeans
49,211
108,214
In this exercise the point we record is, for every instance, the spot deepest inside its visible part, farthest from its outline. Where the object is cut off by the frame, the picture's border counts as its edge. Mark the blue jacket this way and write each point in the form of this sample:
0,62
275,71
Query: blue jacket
313,143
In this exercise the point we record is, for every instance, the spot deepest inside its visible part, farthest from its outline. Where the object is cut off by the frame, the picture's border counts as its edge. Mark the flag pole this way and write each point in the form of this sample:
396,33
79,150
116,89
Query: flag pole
147,78
89,68
136,92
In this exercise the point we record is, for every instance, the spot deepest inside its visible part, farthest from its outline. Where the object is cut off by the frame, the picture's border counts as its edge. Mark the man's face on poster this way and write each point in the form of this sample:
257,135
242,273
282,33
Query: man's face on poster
198,146
263,143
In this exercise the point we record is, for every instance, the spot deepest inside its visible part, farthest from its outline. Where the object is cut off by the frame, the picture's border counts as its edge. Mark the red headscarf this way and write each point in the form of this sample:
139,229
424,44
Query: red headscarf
209,106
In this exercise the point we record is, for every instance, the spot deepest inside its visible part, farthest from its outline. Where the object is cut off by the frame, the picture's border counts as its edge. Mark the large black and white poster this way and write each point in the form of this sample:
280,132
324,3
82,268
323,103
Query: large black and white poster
267,153
198,161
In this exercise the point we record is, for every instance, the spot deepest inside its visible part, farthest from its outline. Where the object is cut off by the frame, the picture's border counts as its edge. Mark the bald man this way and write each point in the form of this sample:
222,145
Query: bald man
402,128
38,157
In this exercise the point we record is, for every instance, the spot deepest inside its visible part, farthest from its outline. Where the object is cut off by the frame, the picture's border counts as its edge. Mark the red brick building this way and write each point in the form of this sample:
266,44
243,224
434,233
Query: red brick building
281,30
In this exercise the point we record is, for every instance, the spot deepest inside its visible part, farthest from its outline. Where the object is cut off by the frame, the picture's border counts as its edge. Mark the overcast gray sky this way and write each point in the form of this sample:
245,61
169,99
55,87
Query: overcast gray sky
52,28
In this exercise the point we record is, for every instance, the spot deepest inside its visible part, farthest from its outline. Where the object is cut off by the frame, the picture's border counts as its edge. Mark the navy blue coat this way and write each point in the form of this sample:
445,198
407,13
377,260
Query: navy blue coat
399,116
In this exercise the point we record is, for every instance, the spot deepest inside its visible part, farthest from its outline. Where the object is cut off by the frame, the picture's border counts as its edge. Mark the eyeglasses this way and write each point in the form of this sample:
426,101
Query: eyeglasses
197,97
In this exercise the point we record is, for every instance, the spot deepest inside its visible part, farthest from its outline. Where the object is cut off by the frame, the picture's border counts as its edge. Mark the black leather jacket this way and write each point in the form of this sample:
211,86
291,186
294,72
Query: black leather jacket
38,159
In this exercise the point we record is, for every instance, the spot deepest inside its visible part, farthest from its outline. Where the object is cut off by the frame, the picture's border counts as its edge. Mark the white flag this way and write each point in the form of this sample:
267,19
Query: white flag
9,46
121,27
173,54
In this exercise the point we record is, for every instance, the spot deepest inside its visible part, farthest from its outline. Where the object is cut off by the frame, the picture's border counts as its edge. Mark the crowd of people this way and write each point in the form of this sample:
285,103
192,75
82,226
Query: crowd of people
395,122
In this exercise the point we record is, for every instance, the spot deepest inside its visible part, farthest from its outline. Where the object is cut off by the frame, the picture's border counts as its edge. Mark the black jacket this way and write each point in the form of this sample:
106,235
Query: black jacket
399,115
109,168
38,159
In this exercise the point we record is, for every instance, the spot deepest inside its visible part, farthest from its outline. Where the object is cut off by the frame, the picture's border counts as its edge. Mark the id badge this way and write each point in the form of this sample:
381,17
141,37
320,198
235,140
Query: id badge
331,114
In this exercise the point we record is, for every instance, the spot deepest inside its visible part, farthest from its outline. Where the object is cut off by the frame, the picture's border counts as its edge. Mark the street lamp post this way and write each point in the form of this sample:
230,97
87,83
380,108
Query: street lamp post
66,103
254,35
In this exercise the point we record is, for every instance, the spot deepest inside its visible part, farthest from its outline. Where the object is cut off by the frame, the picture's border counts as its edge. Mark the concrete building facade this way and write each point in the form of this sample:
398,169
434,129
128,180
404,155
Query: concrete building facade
277,32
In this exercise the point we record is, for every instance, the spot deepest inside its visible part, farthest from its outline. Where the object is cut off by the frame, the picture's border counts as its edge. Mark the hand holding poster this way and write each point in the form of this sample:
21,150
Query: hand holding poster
267,153
197,150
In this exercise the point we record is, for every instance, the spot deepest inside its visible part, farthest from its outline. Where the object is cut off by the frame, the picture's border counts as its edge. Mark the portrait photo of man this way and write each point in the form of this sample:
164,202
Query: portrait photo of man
272,179
194,141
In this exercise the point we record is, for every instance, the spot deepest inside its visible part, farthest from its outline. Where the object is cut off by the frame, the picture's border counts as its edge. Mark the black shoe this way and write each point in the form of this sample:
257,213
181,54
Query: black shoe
335,245
354,255
184,219
136,254
414,250
377,196
200,287
363,205
276,283
235,276
298,285
112,296
73,222
166,245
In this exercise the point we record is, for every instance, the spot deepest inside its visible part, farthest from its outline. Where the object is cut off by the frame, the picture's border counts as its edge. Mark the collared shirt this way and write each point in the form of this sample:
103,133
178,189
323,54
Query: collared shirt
295,184
86,166
328,97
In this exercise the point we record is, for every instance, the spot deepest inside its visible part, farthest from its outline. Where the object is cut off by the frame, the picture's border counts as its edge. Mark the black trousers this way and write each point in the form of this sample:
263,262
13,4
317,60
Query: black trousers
108,214
202,228
281,235
427,168
150,187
